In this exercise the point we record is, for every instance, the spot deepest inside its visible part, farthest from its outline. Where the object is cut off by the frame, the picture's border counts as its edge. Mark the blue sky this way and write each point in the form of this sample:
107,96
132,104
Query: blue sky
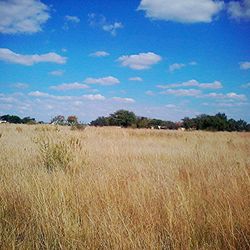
164,59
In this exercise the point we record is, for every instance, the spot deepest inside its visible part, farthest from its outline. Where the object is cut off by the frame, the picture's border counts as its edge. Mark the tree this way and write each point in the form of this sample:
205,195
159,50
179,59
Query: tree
28,120
72,120
142,122
189,123
124,118
59,119
11,119
100,121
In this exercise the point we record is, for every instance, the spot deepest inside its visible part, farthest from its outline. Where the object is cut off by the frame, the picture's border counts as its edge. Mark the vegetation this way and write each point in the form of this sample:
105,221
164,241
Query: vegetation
125,118
218,122
115,188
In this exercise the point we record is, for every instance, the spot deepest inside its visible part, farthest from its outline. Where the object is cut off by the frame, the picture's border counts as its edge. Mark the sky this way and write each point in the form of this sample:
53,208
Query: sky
159,58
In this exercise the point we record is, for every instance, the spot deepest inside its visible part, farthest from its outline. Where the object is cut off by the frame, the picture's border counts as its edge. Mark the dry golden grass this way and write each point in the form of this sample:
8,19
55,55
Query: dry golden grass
111,188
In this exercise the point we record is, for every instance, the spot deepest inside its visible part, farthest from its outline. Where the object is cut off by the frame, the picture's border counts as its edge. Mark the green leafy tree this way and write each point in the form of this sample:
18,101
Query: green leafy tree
100,121
123,118
142,122
11,119
28,120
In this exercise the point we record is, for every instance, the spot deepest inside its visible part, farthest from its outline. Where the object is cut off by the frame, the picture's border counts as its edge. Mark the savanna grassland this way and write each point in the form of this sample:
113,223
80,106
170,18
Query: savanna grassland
112,188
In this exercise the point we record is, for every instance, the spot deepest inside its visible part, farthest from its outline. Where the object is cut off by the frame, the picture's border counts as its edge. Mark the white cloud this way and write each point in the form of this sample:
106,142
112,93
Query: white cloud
239,9
21,85
90,97
70,86
100,21
56,73
193,63
22,16
109,80
149,93
38,94
69,20
123,100
176,66
140,61
182,92
111,28
136,79
99,54
226,104
247,85
96,97
183,11
73,19
9,56
170,106
193,83
231,95
245,65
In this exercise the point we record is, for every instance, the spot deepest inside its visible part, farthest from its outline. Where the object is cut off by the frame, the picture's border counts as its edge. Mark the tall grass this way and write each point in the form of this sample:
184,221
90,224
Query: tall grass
108,188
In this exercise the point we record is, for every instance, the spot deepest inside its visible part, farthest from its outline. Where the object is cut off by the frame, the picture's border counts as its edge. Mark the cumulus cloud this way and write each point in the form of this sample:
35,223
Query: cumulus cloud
239,9
182,92
21,85
231,95
136,79
56,72
99,54
91,97
73,19
170,106
247,85
193,83
140,61
111,28
100,21
123,100
39,94
245,65
149,93
70,20
9,56
70,86
22,16
109,80
183,11
96,97
176,66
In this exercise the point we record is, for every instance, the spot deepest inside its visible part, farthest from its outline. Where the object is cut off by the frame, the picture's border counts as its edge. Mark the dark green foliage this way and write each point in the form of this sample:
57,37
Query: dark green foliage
100,121
11,119
218,122
123,118
28,120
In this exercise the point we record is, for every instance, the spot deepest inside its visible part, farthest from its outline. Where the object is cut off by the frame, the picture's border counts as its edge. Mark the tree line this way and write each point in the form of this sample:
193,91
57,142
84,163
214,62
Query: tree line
125,118
218,122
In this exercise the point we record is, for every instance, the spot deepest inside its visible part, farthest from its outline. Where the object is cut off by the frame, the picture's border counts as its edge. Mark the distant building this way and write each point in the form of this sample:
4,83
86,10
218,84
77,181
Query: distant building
1,121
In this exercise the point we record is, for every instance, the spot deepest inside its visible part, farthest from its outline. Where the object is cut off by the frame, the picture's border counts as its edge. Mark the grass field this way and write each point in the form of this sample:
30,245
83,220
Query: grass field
112,188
